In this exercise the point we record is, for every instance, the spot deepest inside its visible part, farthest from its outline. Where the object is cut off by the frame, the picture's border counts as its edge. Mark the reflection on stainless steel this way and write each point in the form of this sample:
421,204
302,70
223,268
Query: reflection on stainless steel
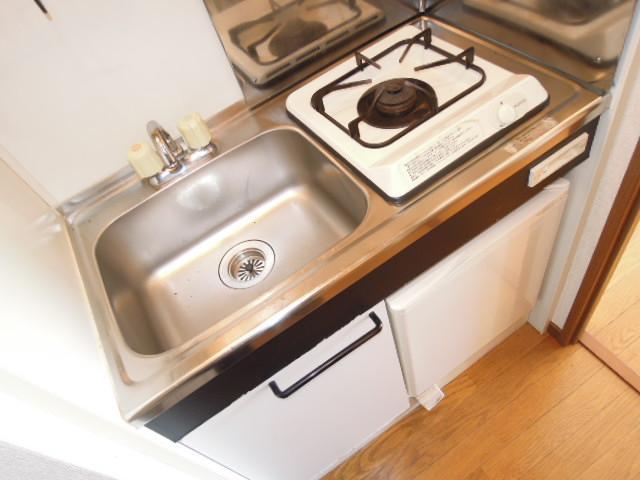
150,260
275,44
584,46
265,39
160,262
595,29
570,11
421,6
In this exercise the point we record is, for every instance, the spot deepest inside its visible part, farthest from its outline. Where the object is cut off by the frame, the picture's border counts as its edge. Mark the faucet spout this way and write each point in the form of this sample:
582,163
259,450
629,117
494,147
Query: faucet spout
170,151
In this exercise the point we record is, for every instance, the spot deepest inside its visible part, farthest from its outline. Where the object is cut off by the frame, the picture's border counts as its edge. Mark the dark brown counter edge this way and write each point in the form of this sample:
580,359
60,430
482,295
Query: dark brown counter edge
258,366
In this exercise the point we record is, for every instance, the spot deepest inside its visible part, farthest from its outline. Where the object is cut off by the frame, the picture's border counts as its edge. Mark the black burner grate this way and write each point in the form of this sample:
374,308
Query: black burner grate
385,105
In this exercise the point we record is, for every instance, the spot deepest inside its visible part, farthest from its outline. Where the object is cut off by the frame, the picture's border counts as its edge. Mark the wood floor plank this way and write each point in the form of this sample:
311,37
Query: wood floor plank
499,433
492,365
555,428
614,302
624,331
613,362
590,441
420,439
479,474
621,462
622,289
528,410
520,343
373,459
613,331
631,355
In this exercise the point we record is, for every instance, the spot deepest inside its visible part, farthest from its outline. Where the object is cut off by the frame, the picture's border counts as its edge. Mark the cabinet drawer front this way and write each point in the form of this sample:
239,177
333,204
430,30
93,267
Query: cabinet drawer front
300,436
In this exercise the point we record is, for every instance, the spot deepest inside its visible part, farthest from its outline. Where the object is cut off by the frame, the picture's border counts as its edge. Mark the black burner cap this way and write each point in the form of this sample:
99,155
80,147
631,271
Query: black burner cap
396,98
397,103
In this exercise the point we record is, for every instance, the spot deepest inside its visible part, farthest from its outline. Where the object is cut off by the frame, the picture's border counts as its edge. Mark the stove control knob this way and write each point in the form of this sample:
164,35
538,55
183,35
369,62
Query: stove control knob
506,114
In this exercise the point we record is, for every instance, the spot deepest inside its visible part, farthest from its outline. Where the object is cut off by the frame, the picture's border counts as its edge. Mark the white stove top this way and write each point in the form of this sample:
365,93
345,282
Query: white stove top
497,99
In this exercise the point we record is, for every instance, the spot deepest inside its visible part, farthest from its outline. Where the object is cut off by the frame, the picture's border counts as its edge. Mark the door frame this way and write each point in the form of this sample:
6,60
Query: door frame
614,235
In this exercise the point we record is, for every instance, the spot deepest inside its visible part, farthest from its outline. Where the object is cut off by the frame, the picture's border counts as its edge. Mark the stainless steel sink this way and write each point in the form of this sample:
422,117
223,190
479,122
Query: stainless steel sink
183,260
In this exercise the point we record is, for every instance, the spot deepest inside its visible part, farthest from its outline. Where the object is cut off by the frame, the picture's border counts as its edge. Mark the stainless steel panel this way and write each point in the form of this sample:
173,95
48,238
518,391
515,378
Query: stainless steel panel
273,45
581,38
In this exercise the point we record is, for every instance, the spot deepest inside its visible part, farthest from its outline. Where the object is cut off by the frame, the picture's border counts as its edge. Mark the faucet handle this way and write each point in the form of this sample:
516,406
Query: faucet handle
144,160
194,131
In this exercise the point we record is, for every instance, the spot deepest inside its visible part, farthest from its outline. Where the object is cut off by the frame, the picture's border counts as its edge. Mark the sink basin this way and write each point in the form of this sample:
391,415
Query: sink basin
189,256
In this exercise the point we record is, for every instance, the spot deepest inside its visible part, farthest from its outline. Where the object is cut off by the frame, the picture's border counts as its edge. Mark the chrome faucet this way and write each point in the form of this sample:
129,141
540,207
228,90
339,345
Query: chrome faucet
169,150
169,157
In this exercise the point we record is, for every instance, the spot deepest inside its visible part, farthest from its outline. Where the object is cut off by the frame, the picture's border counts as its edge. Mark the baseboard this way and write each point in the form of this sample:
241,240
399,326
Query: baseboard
611,360
556,333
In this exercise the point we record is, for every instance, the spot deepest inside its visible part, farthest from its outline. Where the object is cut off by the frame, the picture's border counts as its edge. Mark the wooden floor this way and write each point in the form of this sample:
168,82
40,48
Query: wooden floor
615,322
530,409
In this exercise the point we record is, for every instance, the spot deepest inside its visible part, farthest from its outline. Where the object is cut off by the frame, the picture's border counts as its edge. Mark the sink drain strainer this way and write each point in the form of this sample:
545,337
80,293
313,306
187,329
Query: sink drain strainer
246,264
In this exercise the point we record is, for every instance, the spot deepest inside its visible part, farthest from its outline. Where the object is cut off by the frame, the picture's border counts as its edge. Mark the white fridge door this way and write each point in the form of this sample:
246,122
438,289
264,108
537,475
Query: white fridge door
263,437
457,310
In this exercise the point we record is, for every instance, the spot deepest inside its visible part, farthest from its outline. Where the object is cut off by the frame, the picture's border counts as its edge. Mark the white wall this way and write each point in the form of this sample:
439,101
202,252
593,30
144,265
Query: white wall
594,186
55,392
43,308
75,92
20,464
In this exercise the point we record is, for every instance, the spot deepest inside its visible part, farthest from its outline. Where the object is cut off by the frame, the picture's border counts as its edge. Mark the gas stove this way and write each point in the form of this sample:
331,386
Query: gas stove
412,107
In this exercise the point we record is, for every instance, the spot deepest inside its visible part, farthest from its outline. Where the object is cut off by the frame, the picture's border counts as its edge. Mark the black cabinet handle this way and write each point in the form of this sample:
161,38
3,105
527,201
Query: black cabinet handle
331,361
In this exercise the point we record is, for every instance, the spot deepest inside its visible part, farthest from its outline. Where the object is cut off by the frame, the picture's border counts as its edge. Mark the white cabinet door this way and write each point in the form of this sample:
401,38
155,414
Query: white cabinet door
264,437
458,309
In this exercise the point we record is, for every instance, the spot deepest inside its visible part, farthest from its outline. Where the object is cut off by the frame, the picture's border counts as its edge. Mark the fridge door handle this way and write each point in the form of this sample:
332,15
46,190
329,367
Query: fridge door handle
287,392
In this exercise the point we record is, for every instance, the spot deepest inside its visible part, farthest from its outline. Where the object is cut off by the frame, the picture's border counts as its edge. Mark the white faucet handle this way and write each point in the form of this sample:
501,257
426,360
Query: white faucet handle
144,160
194,131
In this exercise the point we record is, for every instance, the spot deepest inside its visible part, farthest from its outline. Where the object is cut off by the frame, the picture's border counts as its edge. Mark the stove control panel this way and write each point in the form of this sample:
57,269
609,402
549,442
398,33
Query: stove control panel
557,160
506,113
512,108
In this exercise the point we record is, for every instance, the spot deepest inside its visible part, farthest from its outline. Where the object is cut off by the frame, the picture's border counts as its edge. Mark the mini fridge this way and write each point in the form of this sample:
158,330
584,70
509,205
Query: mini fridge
460,308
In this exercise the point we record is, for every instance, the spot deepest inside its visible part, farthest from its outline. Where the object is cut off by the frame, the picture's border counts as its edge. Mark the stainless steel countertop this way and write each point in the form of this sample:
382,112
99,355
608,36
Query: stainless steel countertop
146,385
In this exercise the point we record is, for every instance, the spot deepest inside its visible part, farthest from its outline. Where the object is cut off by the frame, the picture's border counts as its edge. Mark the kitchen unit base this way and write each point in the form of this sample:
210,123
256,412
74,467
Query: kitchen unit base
312,414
